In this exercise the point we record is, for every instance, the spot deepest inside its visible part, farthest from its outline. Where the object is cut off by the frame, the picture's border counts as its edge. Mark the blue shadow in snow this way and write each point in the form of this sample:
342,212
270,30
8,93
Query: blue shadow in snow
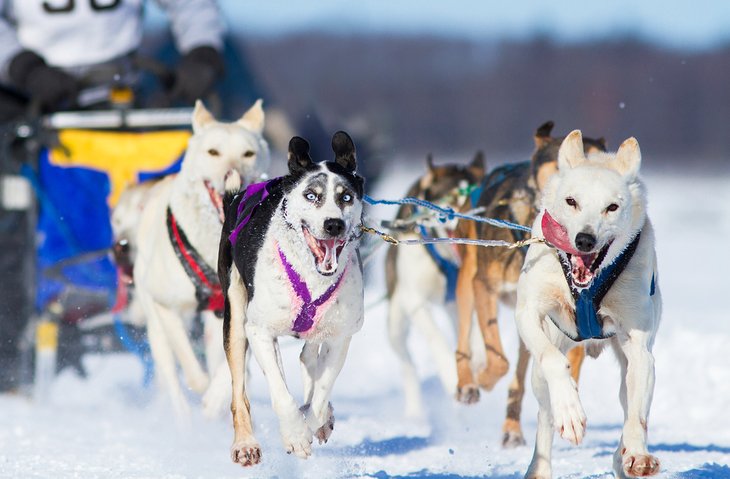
707,471
439,475
663,447
394,445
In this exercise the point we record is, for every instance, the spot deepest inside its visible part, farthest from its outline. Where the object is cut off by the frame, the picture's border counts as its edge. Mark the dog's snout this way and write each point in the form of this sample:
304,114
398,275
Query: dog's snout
334,226
585,242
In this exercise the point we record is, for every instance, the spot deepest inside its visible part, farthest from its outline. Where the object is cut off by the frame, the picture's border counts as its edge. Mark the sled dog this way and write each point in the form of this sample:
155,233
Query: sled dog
489,275
419,277
594,281
176,243
289,266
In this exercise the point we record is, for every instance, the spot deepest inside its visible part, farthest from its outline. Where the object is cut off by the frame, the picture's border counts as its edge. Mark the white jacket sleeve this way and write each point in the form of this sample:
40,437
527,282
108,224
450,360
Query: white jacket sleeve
9,46
194,23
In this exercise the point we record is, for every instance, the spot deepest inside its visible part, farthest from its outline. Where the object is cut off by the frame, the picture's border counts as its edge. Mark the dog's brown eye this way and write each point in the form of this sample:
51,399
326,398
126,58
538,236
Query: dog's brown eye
571,202
213,152
249,154
612,207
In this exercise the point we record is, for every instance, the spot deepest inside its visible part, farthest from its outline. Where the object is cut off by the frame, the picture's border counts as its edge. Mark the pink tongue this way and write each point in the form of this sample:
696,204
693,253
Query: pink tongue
556,235
330,260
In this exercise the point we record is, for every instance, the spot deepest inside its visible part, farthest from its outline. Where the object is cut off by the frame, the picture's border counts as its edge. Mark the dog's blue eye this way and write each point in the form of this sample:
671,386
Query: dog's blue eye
310,196
346,198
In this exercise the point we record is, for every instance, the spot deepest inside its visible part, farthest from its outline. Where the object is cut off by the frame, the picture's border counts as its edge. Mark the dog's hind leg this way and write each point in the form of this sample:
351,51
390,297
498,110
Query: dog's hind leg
442,353
540,467
512,428
632,459
331,358
195,376
486,298
466,389
398,327
245,449
308,358
164,359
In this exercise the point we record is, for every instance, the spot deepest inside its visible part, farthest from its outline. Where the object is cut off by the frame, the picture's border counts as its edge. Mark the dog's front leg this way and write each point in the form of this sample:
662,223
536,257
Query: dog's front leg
308,360
632,458
331,358
295,433
568,416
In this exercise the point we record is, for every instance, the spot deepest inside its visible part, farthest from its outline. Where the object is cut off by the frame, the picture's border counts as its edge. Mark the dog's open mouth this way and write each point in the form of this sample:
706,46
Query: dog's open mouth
326,252
584,266
216,199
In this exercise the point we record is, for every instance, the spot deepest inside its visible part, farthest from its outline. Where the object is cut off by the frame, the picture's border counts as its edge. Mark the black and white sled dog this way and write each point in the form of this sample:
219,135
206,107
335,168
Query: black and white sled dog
176,239
289,266
597,283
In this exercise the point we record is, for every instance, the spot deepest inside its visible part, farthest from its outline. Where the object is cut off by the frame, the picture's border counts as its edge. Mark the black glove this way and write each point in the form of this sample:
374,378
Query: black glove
45,84
197,72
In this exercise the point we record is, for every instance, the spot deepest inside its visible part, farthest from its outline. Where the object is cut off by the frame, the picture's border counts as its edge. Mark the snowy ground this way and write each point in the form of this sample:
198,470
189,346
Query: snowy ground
109,426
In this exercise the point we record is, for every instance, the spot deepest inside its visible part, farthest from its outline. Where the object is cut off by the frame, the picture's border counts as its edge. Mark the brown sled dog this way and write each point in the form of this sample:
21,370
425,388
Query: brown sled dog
510,192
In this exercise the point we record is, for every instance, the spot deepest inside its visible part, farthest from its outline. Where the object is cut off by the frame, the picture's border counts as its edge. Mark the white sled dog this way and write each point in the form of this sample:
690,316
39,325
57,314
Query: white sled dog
289,266
419,278
177,250
598,284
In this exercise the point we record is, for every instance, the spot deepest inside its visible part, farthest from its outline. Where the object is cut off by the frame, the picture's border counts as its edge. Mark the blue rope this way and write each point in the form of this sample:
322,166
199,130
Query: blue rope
447,213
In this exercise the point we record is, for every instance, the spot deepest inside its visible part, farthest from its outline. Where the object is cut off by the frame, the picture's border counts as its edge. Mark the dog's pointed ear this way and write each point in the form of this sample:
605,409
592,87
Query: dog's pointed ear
628,158
602,141
253,119
201,117
429,163
344,150
478,165
571,153
542,134
299,158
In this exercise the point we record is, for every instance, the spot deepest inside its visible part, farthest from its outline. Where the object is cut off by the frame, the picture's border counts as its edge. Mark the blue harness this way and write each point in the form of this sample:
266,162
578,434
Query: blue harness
588,300
448,268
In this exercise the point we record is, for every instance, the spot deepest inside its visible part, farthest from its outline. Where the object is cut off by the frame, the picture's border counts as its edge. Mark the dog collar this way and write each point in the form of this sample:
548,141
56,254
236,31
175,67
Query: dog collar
308,312
208,290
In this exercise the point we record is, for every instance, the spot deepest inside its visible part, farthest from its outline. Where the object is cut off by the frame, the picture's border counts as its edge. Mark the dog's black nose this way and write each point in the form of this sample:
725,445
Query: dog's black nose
585,242
334,226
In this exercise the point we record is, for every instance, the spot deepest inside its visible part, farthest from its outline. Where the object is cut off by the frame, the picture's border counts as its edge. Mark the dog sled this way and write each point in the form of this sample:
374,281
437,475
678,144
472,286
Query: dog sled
63,174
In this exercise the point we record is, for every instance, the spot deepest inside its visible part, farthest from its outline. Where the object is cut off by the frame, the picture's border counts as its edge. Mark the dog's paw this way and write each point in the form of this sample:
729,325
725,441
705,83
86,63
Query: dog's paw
297,438
467,394
198,382
490,375
638,465
568,416
323,433
513,439
246,453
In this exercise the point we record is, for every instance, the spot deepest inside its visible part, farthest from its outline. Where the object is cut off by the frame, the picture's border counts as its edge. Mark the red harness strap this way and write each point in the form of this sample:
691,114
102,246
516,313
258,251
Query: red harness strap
207,287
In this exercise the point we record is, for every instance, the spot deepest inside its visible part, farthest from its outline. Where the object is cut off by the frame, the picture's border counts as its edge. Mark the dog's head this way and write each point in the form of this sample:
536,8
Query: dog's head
217,150
325,204
449,184
545,157
593,202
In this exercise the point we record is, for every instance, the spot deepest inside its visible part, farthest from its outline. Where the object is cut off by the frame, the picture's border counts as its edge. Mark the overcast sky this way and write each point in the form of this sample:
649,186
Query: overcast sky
679,23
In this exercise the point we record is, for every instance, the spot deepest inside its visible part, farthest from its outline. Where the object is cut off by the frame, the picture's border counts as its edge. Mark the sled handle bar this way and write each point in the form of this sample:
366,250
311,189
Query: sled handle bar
114,119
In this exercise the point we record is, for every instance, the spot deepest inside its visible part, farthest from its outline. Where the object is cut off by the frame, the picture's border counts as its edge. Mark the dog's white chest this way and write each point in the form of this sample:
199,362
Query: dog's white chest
315,310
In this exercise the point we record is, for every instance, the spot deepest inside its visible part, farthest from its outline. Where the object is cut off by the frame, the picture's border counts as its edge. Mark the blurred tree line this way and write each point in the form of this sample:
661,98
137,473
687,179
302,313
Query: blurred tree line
412,95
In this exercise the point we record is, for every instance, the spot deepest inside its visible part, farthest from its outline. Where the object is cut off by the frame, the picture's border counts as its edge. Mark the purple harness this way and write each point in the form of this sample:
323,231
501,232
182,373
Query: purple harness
251,191
305,319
